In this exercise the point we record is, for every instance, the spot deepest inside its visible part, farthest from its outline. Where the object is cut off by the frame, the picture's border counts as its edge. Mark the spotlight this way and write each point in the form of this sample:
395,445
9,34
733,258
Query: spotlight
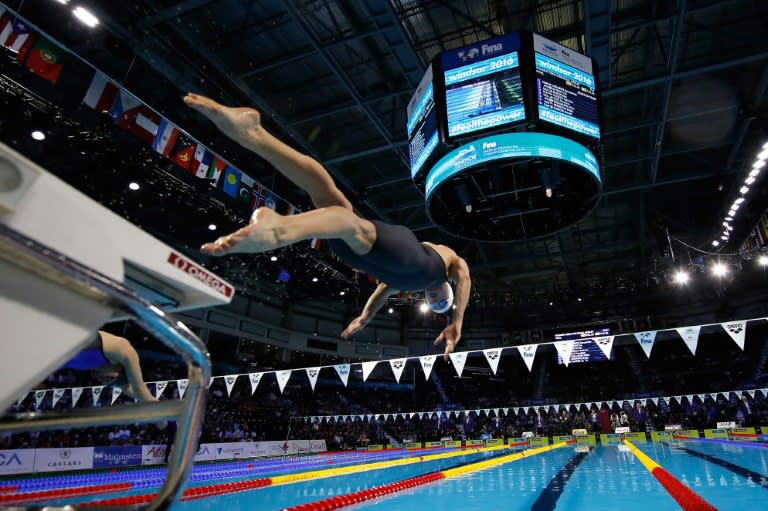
38,135
729,219
719,270
85,16
273,258
342,293
211,227
715,243
63,2
762,260
744,189
755,172
739,200
314,279
133,186
749,180
390,310
423,307
578,299
726,224
551,304
681,277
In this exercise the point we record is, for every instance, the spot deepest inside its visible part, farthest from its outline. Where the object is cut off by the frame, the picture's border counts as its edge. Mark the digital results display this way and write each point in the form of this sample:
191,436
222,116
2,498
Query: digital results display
565,88
585,349
483,89
422,123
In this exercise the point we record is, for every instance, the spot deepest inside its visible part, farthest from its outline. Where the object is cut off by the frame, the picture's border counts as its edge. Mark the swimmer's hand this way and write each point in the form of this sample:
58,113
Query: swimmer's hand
240,124
355,326
451,335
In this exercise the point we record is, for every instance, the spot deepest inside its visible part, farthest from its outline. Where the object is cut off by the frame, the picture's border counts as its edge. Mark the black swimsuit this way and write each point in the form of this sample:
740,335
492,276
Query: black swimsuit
397,258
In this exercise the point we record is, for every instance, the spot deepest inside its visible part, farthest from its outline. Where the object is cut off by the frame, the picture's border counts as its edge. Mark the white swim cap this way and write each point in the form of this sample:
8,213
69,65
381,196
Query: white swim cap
440,298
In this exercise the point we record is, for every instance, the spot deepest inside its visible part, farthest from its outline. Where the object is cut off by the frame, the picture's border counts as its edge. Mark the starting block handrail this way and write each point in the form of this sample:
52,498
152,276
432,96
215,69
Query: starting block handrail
33,256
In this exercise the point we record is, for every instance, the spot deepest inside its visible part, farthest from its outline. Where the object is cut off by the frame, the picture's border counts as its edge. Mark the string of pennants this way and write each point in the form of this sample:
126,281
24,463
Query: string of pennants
519,410
735,329
47,59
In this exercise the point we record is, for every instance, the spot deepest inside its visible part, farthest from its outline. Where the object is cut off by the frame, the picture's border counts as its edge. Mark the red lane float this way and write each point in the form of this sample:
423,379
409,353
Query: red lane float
62,493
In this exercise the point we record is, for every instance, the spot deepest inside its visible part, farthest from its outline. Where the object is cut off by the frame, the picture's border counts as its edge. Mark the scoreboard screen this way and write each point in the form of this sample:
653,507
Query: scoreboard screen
483,89
565,88
422,124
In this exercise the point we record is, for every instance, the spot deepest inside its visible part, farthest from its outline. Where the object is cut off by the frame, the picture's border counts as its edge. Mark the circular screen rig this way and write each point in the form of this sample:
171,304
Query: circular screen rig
512,187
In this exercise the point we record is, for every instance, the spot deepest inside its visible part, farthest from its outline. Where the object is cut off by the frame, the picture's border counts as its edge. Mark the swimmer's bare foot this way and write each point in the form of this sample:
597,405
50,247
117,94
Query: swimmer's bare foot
261,235
238,123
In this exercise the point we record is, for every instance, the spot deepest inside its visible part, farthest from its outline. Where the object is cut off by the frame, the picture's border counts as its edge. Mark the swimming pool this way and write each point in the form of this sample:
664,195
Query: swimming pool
728,476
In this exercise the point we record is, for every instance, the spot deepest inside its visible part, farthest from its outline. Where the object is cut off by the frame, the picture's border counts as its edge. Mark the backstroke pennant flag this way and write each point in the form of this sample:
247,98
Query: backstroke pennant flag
39,396
57,395
96,393
646,340
368,367
116,392
737,330
76,393
690,335
564,349
312,374
427,363
458,360
528,352
493,356
182,386
160,388
255,378
229,381
397,364
282,378
605,344
343,371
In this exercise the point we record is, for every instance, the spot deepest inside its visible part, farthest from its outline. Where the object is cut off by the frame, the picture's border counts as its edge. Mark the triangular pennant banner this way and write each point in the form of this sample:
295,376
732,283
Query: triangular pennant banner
343,371
76,393
528,352
458,360
96,393
255,379
312,374
564,349
397,364
282,378
655,401
57,394
116,391
410,415
182,386
427,363
493,356
210,381
229,381
160,388
737,330
690,335
368,367
605,344
752,393
713,396
646,340
39,396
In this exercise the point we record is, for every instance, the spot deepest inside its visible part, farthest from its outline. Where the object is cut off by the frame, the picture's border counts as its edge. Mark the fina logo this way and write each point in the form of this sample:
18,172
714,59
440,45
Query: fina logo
550,48
470,54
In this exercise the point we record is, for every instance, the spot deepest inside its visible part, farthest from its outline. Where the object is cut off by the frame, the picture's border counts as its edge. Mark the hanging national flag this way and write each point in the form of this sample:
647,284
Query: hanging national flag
165,138
101,94
125,109
45,59
315,243
15,34
231,181
183,152
144,123
201,161
245,188
215,169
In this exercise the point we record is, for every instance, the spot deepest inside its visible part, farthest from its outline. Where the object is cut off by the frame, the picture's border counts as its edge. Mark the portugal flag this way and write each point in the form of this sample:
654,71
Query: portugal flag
45,59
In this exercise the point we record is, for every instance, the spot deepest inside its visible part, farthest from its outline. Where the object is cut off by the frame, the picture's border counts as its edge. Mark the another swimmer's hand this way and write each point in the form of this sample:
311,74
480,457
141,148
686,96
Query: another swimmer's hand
355,326
238,123
451,335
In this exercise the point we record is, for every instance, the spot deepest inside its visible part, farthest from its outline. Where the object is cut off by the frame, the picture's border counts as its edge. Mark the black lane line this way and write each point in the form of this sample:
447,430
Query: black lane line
757,478
547,499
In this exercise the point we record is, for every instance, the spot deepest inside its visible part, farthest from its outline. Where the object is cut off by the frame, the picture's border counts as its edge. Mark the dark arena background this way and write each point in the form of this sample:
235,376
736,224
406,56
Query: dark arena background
600,165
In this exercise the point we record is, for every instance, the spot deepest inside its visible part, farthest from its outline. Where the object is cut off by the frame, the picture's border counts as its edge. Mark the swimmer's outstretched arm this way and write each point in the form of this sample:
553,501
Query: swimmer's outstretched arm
458,271
375,302
243,125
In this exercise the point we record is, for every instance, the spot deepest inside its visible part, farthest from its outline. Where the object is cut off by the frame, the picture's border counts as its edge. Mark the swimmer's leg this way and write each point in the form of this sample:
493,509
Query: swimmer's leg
119,351
269,230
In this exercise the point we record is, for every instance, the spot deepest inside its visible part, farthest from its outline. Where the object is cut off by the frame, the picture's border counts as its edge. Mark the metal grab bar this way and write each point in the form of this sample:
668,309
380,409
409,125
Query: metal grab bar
52,265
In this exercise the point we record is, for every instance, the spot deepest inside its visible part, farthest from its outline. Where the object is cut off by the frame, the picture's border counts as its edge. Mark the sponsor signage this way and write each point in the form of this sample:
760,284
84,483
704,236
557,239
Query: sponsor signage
58,460
661,436
539,441
17,461
152,454
452,443
117,456
199,273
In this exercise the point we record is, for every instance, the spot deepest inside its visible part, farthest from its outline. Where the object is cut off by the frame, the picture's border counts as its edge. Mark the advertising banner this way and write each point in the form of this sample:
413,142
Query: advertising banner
206,452
117,456
517,441
539,441
17,461
473,443
636,437
494,442
452,443
58,460
413,445
611,439
661,436
716,433
152,454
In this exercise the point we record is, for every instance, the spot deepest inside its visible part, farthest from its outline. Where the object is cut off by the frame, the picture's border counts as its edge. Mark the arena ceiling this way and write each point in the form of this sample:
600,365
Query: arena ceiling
683,110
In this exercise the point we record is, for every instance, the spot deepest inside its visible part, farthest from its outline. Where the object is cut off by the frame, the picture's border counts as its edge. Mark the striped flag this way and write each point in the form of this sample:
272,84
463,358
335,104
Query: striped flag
201,161
15,34
215,169
165,138
315,243
101,94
